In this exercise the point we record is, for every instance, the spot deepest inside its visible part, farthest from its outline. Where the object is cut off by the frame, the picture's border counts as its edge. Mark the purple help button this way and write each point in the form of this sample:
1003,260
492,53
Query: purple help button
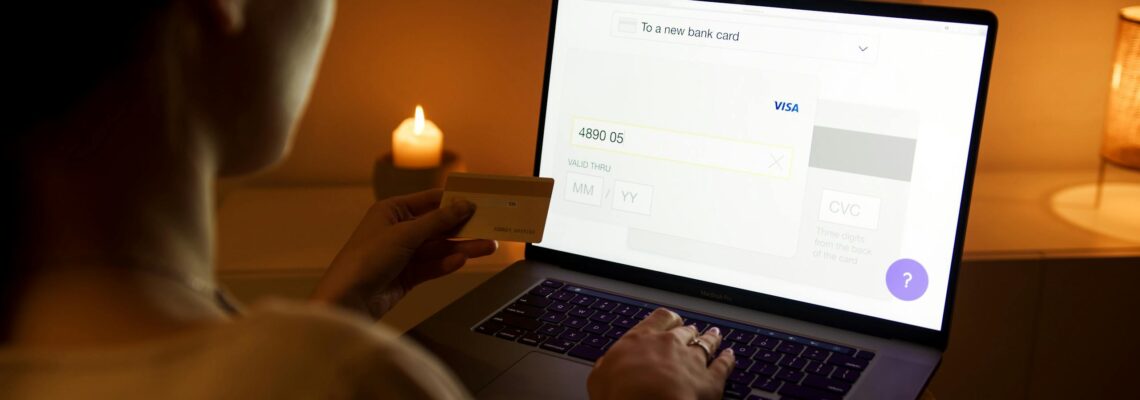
906,279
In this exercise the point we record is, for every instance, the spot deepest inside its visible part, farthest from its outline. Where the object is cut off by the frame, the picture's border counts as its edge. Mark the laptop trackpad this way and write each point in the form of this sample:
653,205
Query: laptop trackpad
539,376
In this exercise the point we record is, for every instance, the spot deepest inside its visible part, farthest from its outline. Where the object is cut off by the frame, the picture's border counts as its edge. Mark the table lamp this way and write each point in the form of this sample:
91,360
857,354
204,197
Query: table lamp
1113,208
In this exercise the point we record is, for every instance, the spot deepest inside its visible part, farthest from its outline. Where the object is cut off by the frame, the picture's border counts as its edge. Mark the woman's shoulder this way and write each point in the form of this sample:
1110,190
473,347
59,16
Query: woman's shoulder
364,356
275,349
288,320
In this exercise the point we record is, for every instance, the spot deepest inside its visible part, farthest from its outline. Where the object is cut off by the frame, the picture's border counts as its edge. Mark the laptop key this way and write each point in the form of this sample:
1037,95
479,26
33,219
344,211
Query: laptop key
524,310
627,310
604,317
584,300
576,323
790,348
551,330
768,356
816,354
744,350
793,362
846,374
563,296
588,353
553,317
642,314
511,334
865,355
806,393
516,321
766,342
743,363
559,307
582,312
741,377
733,390
764,369
742,337
625,322
596,328
532,300
847,362
604,305
533,339
572,335
757,397
489,327
596,341
724,344
818,368
789,375
557,345
550,283
767,384
700,325
831,385
541,291
615,333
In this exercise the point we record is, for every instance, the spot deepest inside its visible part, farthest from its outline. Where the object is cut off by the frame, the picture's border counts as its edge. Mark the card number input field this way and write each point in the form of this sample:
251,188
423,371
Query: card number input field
688,148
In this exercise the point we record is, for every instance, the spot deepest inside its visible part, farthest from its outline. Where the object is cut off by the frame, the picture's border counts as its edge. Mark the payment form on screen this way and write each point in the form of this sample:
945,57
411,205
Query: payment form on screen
814,156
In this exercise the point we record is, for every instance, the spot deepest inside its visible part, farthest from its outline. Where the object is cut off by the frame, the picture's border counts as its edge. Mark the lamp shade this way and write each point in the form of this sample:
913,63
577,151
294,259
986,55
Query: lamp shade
1122,124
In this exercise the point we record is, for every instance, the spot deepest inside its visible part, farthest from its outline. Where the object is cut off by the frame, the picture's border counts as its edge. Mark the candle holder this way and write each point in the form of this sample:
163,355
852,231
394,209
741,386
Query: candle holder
389,180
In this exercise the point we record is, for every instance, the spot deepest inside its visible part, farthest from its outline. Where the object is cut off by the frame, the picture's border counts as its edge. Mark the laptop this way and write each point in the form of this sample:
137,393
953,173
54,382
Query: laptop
796,173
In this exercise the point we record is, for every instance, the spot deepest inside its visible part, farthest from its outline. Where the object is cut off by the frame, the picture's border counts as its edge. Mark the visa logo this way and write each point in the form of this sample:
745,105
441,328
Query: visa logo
787,106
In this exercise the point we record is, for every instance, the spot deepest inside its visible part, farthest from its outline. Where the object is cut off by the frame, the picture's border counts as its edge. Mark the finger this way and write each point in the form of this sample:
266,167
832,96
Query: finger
436,223
712,338
423,272
660,319
434,250
684,333
453,262
470,248
420,202
722,365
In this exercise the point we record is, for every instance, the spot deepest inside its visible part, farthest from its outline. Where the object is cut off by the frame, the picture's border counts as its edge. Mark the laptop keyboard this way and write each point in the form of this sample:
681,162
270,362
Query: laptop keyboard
583,323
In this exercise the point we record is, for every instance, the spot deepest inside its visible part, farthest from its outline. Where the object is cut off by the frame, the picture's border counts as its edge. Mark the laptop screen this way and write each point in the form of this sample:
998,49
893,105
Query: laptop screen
814,156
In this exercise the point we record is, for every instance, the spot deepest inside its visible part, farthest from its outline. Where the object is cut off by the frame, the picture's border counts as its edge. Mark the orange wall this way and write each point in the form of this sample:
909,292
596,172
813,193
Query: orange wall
477,67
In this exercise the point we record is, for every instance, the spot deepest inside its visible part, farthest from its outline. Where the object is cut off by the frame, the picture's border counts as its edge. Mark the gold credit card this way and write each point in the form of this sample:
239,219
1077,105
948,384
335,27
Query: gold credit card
509,208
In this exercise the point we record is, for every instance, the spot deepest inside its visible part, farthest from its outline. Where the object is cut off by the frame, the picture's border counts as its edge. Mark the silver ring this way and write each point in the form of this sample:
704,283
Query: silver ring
696,341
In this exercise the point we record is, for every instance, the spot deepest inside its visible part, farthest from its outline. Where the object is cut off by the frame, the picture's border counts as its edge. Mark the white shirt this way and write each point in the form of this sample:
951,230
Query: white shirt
276,350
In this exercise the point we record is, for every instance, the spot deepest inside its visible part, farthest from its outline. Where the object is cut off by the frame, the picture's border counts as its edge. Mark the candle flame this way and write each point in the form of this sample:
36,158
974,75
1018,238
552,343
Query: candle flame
419,125
1117,70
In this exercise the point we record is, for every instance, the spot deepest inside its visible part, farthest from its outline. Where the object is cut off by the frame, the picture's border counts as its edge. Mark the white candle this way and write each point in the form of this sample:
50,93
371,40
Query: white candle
417,143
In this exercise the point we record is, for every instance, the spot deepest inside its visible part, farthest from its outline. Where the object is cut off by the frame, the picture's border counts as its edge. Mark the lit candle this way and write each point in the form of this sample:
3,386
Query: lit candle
417,143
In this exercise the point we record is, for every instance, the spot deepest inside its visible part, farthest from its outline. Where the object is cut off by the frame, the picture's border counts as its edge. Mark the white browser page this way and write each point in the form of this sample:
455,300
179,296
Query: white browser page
813,156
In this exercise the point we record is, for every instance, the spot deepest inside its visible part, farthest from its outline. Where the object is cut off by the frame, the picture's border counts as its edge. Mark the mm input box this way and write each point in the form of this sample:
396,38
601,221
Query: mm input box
688,148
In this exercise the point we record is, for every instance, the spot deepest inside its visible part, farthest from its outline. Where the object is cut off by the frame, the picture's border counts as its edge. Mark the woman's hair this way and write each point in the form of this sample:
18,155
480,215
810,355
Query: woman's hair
57,53
61,50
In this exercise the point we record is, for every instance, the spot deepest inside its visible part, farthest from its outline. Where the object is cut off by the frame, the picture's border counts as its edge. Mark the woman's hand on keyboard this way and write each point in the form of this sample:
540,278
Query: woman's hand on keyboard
657,359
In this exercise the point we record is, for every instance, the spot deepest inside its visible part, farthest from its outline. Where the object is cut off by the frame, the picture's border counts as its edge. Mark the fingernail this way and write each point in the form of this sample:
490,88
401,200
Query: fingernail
714,331
461,206
728,350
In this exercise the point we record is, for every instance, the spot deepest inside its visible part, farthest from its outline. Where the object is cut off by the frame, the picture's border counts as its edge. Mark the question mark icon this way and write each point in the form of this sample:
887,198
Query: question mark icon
907,277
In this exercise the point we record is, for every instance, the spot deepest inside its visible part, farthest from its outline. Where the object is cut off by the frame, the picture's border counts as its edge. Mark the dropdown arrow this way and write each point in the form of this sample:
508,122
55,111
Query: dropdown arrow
863,48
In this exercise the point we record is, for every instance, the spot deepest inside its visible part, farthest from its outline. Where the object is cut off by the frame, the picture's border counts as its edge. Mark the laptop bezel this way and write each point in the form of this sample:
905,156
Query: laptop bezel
780,305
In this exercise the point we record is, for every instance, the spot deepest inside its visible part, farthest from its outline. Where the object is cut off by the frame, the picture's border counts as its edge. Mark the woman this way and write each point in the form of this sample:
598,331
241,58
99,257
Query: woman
127,113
